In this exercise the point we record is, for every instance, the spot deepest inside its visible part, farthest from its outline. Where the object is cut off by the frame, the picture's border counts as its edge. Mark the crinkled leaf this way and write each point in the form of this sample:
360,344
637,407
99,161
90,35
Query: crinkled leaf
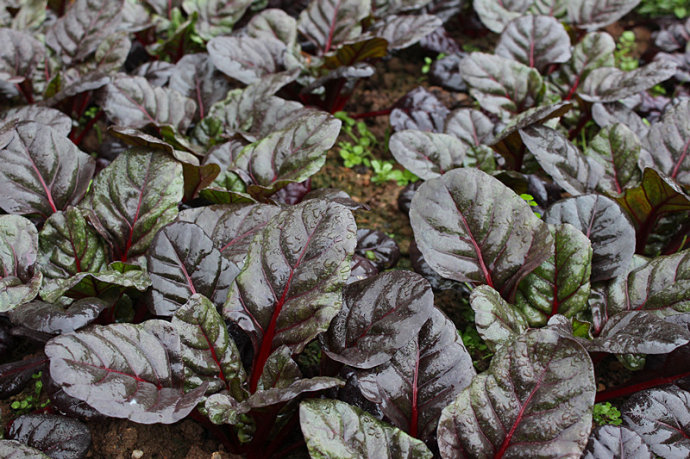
194,76
560,285
79,32
497,321
616,441
617,112
277,395
662,418
273,23
280,371
61,123
330,23
31,15
19,56
133,197
134,102
196,178
668,141
231,227
427,154
20,279
125,371
454,218
446,71
379,316
421,378
617,148
656,196
182,261
535,400
290,286
535,41
378,247
419,109
208,352
595,14
500,85
15,375
593,51
156,72
562,160
333,428
12,449
109,57
609,84
55,319
41,171
403,31
471,126
384,7
245,58
496,14
607,227
359,51
68,245
58,436
215,17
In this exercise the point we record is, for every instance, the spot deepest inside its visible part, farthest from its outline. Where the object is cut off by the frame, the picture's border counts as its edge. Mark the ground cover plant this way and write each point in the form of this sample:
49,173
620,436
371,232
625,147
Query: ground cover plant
166,258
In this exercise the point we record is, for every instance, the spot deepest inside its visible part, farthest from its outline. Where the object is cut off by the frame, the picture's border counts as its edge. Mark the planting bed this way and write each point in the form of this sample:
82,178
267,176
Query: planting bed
344,228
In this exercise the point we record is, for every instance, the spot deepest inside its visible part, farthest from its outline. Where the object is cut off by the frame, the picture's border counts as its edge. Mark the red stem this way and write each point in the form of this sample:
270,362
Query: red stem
580,125
372,114
25,91
628,390
88,127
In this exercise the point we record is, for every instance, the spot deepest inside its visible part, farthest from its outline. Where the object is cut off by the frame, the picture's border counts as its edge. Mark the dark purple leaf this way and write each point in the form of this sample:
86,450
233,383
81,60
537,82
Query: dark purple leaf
535,400
404,31
245,58
662,418
133,197
607,227
447,9
471,126
381,8
617,149
134,102
197,178
421,267
497,321
447,72
440,41
535,41
592,15
331,23
419,109
454,221
421,378
378,247
496,14
593,51
55,319
85,24
427,154
361,268
333,428
194,76
59,437
280,371
41,171
616,442
12,449
672,36
66,404
15,375
20,279
125,371
609,84
562,160
290,286
337,196
109,57
60,122
182,261
273,23
215,17
277,395
405,196
293,193
616,112
502,86
156,72
19,56
379,316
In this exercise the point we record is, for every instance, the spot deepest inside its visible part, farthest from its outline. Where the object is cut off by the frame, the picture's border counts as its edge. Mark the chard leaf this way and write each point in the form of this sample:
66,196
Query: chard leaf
125,371
12,449
560,285
454,219
280,371
562,160
403,31
382,8
15,375
352,53
41,171
662,418
215,17
273,23
208,352
593,51
617,149
380,315
20,279
421,378
245,58
55,319
617,112
333,428
197,178
535,41
595,14
668,141
616,441
655,197
331,23
20,54
156,72
419,109
61,123
609,84
194,76
290,286
471,126
182,261
377,247
496,14
497,321
277,395
535,400
231,227
427,154
58,436
68,245
82,28
133,197
134,102
500,85
607,227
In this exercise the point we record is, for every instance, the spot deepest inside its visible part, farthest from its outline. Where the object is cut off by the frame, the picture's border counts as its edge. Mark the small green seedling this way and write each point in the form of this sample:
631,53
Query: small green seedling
605,413
530,200
32,401
358,151
624,52
384,171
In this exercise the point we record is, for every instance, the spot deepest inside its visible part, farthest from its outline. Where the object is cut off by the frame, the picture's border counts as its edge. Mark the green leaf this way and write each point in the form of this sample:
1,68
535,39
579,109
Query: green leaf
497,321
